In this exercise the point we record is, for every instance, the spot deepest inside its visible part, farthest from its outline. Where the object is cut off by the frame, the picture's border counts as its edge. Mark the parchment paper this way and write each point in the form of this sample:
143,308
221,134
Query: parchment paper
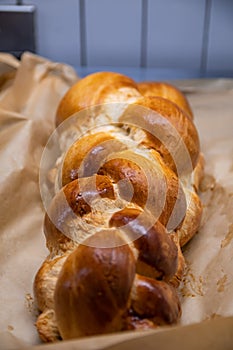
29,95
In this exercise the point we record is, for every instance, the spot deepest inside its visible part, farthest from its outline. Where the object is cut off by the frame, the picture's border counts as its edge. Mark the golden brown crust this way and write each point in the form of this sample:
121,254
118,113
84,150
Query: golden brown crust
85,157
89,155
93,90
165,90
83,153
47,326
175,205
120,169
56,241
177,277
178,126
121,186
96,277
198,172
155,300
44,286
45,281
157,253
79,192
192,219
70,202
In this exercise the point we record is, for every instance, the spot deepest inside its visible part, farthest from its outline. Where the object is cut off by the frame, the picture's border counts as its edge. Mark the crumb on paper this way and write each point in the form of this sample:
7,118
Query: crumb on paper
192,285
10,327
218,201
221,283
228,237
29,302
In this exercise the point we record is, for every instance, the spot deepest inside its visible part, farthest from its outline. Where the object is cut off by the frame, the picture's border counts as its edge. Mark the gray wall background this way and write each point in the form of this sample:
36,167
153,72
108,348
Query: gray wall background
189,37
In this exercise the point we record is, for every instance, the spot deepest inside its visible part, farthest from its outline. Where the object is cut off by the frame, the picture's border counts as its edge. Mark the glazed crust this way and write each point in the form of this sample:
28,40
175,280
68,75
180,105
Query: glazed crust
126,208
168,91
178,127
104,84
111,282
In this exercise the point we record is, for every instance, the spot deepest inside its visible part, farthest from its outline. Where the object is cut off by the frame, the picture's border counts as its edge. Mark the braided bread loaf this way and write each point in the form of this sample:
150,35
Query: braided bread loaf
127,205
